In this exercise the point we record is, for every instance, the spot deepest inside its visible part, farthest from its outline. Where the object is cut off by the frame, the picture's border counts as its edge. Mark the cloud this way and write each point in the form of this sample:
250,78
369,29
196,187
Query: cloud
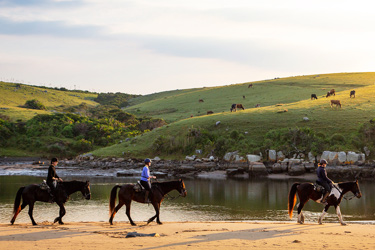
50,28
30,3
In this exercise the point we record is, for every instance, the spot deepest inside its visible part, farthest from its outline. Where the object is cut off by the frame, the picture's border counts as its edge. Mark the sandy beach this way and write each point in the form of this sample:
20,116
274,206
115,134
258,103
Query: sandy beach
188,235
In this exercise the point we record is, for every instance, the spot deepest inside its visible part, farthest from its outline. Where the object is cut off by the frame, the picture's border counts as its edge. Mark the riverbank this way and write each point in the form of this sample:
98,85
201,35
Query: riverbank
188,235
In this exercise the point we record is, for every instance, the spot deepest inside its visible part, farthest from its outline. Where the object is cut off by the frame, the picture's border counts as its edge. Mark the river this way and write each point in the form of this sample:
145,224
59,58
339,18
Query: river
207,200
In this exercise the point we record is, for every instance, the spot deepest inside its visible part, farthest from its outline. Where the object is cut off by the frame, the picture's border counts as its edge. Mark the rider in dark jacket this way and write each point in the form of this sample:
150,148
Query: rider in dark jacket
52,177
324,180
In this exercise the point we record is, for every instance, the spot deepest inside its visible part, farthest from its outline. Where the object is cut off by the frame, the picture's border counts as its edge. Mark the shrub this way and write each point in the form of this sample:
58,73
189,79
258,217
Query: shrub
34,104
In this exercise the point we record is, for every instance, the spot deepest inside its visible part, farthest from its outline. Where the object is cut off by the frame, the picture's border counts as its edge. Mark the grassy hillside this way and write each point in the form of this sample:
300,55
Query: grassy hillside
177,105
13,96
291,94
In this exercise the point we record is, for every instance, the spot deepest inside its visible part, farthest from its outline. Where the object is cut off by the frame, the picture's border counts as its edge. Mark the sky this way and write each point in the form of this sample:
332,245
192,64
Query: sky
148,46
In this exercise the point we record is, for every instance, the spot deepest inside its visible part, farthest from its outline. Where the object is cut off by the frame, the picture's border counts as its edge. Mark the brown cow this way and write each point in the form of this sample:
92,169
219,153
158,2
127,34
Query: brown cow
236,106
352,93
250,85
210,112
201,100
335,102
258,105
331,92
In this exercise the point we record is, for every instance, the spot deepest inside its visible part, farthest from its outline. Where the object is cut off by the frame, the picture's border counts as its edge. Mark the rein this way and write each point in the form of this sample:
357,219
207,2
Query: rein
169,197
348,199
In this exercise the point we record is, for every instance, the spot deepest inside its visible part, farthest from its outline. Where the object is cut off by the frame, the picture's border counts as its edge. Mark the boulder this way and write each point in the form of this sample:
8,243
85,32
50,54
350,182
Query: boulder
238,158
296,169
352,157
272,155
341,156
234,171
280,156
306,119
276,168
332,156
311,157
190,158
156,158
309,167
253,158
257,168
230,156
325,155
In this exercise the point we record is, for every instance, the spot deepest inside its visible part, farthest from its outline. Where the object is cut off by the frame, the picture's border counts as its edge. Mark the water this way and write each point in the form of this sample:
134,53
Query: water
207,200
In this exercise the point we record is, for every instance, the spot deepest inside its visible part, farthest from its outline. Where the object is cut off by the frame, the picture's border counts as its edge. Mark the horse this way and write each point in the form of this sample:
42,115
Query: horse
352,93
307,191
128,193
201,100
250,85
335,102
210,112
331,92
313,96
32,193
236,106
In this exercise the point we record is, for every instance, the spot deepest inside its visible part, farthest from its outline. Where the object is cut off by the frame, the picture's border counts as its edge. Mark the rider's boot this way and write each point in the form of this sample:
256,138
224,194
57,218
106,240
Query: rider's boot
324,200
146,196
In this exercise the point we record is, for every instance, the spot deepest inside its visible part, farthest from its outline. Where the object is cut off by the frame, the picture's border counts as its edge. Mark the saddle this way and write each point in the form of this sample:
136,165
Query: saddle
138,187
44,186
319,188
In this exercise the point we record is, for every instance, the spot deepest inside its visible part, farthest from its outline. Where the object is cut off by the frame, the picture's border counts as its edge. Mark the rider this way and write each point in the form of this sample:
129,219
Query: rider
324,180
52,178
145,179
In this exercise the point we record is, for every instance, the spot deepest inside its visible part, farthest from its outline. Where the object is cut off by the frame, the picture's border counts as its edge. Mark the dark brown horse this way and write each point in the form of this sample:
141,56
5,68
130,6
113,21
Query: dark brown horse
127,193
306,191
236,106
32,193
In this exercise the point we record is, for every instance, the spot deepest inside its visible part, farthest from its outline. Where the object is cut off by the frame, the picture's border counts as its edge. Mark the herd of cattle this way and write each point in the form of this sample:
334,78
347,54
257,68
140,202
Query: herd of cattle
332,92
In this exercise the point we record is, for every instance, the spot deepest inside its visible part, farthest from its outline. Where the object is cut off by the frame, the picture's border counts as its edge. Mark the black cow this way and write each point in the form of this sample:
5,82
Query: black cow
352,93
313,96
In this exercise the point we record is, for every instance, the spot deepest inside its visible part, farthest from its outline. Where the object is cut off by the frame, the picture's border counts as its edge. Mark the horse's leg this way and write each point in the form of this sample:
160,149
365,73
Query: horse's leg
16,214
301,218
61,214
157,208
338,211
31,208
114,212
127,204
320,220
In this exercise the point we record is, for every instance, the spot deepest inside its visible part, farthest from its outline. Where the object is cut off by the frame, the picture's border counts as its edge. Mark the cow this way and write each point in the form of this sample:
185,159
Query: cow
335,102
250,85
236,106
352,93
313,96
331,92
210,112
201,100
243,97
258,105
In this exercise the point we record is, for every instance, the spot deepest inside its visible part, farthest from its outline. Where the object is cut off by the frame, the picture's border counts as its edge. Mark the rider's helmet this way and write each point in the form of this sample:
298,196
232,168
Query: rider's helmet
323,161
147,160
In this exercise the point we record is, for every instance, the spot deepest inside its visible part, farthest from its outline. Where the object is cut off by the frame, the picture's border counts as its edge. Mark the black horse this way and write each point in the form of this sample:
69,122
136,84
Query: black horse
127,193
32,193
307,191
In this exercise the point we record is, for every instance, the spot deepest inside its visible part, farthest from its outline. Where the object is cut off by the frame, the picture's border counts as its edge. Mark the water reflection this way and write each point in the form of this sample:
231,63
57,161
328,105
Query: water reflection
254,199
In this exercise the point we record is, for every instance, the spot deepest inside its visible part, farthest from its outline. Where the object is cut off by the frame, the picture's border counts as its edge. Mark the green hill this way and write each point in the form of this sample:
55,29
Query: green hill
13,96
245,130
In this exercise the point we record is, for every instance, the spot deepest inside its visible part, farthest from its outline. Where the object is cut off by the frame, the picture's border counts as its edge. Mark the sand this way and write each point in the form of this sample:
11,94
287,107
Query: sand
188,235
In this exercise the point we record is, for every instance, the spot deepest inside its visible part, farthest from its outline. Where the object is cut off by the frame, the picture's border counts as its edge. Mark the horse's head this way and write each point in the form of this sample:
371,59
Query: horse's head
181,188
355,190
86,190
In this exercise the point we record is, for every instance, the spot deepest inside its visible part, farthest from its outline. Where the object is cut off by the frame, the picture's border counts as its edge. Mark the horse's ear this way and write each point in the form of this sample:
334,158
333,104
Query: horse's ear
87,182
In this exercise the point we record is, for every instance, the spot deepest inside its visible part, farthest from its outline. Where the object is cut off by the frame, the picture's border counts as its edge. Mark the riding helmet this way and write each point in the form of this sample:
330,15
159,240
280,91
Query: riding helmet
147,160
323,161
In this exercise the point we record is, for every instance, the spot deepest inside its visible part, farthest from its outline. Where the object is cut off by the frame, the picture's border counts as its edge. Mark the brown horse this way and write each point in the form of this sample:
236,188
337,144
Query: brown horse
127,193
32,193
236,106
331,92
307,191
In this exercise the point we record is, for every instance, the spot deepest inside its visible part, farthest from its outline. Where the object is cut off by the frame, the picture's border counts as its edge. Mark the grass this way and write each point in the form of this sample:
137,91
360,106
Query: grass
12,99
292,94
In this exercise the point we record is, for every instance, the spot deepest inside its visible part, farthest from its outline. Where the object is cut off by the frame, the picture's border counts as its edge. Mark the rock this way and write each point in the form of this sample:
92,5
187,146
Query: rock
253,158
156,158
257,168
276,168
296,169
272,155
352,157
306,119
325,155
211,158
332,156
217,123
311,157
190,158
341,157
135,234
280,156
238,158
198,151
367,151
230,156
234,171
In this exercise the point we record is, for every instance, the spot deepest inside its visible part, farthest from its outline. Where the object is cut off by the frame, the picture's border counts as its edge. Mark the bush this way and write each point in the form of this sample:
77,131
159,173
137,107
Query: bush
34,104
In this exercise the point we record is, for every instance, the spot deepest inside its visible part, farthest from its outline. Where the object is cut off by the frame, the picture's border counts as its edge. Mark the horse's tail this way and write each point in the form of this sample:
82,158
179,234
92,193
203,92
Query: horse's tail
292,199
112,200
17,204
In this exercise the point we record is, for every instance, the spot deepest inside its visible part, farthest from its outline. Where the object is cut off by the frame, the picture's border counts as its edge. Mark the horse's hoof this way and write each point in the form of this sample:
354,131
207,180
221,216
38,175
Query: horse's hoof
343,224
61,223
34,224
56,220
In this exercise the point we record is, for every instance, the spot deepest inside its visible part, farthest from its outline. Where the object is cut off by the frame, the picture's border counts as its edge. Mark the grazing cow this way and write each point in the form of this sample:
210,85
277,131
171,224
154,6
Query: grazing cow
243,97
201,100
335,102
331,92
352,93
258,105
313,96
236,106
250,85
210,112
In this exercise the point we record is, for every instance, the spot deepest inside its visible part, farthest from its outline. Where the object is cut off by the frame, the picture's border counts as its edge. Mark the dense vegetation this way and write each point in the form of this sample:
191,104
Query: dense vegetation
116,99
